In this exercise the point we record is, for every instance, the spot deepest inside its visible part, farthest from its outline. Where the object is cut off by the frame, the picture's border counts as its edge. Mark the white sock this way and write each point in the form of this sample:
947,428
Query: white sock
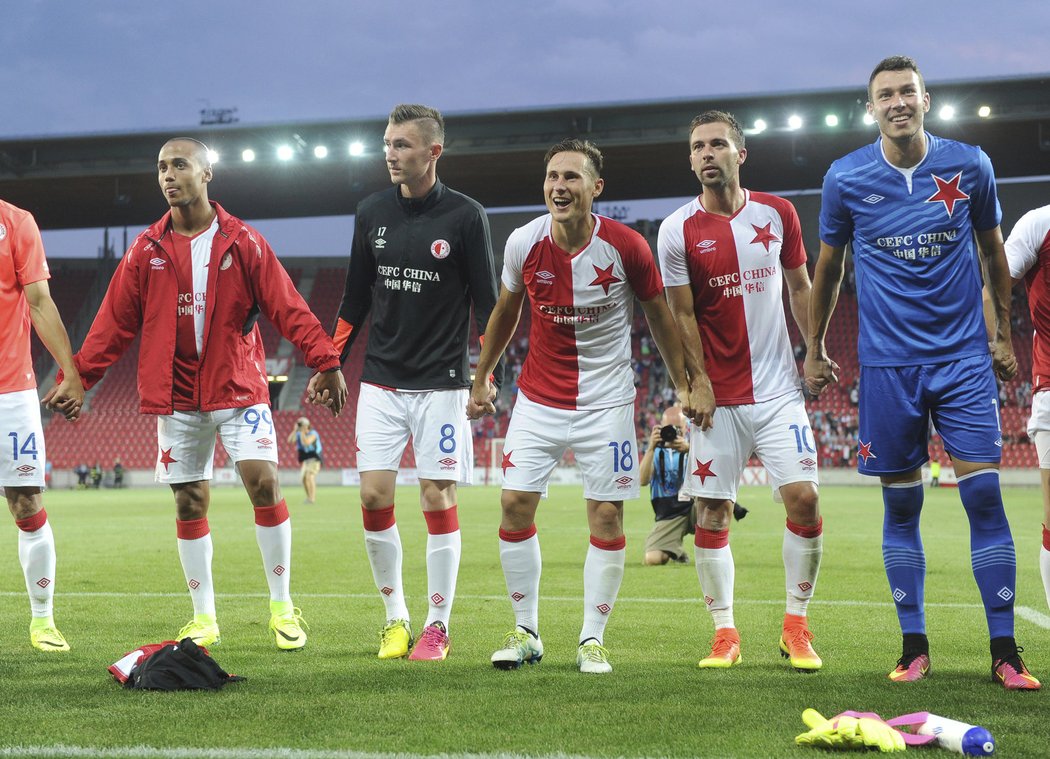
714,567
384,556
36,553
443,552
801,565
1044,570
602,575
196,556
522,566
273,533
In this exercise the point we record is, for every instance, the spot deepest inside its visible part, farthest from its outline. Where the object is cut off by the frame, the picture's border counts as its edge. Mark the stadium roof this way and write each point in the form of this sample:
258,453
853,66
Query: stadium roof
108,180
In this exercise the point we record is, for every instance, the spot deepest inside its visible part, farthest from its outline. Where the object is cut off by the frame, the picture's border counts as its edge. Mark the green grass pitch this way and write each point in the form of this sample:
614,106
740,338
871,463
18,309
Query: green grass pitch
119,586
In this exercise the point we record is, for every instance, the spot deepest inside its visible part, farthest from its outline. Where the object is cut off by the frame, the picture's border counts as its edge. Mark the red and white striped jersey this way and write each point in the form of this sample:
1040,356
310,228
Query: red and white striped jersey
734,266
1028,253
582,308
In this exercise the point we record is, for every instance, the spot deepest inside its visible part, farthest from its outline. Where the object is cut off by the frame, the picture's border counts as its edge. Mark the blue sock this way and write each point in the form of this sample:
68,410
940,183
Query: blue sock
991,549
903,555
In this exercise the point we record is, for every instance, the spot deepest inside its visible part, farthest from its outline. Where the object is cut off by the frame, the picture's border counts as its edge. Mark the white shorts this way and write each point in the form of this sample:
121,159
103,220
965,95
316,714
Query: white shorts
602,441
22,457
777,431
436,420
1039,427
186,441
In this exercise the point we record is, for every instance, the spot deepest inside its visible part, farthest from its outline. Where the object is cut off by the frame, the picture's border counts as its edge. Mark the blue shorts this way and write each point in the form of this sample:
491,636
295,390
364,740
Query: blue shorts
897,404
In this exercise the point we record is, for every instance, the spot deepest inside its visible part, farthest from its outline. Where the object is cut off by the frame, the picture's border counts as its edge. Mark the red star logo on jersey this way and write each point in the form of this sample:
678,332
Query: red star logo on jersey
507,463
703,470
165,458
864,451
605,277
948,192
764,236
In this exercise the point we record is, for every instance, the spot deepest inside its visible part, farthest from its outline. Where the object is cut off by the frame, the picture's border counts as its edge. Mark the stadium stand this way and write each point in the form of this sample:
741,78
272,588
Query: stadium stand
111,425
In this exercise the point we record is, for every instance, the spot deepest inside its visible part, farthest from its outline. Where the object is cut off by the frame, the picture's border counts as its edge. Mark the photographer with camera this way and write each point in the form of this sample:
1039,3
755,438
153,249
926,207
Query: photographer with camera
308,447
662,468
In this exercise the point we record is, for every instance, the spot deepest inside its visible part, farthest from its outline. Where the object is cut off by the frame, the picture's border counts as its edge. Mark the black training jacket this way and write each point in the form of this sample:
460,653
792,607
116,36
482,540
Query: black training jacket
417,265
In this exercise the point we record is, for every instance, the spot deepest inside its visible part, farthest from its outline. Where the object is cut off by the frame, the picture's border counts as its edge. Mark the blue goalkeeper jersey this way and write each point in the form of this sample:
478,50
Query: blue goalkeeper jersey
917,270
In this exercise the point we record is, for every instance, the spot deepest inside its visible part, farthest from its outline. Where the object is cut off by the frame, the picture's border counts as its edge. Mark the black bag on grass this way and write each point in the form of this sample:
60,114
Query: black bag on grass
179,666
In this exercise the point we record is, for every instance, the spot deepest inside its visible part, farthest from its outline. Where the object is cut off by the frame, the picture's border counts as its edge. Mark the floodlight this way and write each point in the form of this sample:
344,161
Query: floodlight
320,151
285,152
947,113
213,157
248,155
984,111
831,120
760,126
794,121
357,148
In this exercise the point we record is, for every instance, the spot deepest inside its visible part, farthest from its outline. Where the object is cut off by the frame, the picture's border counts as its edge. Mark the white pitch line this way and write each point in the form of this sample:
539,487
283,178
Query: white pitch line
460,596
1035,617
277,752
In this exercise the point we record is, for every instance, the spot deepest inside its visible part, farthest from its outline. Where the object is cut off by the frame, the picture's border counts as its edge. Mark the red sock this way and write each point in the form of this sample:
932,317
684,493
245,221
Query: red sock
377,520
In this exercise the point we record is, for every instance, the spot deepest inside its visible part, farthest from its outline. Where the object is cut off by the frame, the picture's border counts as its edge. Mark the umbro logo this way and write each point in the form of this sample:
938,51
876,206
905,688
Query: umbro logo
264,442
43,582
1005,593
517,596
873,199
157,263
25,470
624,481
899,595
545,278
448,463
603,608
437,599
705,246
279,570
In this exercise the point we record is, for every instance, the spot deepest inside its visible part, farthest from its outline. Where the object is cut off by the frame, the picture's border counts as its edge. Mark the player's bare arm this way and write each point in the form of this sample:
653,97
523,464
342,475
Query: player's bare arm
67,396
669,343
799,291
701,403
989,308
997,287
820,371
498,332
